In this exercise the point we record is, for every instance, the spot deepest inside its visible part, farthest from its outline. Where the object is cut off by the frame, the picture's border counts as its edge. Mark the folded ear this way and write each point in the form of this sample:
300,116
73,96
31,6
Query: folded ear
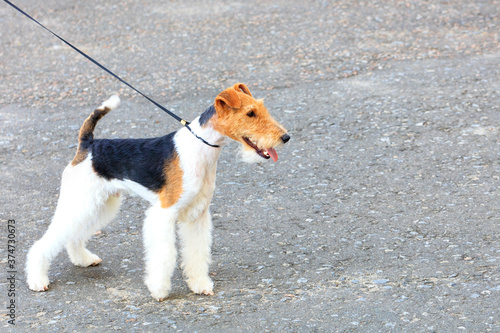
228,97
243,88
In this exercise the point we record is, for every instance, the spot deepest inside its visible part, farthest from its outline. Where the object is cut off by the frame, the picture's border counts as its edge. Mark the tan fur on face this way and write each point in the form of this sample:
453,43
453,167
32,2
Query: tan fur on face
232,107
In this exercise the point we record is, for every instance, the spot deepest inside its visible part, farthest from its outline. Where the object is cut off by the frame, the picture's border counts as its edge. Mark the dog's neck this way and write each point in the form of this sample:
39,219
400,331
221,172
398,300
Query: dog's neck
203,127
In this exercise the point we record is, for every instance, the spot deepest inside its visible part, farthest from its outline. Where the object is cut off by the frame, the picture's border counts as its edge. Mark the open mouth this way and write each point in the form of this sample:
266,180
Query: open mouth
264,153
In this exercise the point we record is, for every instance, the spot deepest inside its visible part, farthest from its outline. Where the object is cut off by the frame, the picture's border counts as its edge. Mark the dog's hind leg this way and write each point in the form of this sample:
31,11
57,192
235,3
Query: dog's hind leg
80,200
66,223
160,252
42,252
78,253
62,227
196,241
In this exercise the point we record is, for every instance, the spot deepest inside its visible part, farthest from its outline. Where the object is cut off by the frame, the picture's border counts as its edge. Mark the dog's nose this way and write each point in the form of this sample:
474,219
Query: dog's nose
285,138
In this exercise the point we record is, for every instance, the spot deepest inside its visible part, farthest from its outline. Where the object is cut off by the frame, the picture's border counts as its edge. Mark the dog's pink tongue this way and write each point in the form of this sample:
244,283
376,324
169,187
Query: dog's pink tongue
273,154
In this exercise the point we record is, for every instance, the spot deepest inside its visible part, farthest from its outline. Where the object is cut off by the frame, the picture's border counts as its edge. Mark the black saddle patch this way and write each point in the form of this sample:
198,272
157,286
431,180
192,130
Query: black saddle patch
140,160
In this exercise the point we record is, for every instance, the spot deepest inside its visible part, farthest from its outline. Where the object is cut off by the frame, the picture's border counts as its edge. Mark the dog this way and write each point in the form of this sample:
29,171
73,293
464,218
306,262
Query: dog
175,173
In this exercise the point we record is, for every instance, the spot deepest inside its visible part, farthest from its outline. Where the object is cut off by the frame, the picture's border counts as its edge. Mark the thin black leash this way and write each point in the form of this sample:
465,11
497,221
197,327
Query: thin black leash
173,115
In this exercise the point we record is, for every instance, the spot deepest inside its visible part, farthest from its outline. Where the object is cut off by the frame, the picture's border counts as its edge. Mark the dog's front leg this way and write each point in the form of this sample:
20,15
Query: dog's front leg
196,242
159,245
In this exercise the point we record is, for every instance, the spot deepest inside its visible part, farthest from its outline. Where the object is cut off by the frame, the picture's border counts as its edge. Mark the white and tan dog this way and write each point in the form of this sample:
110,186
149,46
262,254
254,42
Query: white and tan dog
175,173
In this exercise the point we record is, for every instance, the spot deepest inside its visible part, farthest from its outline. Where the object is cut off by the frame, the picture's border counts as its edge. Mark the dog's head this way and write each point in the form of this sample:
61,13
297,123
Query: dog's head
246,120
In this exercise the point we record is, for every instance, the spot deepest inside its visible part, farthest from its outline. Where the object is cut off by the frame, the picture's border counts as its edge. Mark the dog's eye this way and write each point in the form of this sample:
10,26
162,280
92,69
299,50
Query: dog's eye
251,114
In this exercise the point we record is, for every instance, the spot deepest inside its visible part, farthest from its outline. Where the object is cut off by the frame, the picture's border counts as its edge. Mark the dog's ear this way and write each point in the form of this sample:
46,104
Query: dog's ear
228,97
243,88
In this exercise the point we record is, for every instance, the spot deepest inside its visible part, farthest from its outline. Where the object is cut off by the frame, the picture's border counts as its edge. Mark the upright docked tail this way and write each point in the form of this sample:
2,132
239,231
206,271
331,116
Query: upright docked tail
87,129
86,134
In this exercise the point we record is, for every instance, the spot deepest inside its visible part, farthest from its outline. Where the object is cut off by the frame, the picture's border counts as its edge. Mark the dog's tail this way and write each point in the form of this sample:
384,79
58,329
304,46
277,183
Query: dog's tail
86,135
87,129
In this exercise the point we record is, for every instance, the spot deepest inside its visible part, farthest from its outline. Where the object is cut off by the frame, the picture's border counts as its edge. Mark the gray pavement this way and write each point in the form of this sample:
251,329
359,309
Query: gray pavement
381,214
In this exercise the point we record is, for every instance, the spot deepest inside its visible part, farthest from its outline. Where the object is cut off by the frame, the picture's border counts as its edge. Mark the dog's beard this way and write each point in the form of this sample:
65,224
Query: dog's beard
249,155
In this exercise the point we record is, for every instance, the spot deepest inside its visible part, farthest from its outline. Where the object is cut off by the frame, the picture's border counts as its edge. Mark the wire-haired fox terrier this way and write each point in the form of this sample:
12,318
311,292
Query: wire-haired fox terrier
175,173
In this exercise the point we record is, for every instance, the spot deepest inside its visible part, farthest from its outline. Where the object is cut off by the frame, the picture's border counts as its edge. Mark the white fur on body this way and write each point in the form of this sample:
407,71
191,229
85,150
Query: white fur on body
88,202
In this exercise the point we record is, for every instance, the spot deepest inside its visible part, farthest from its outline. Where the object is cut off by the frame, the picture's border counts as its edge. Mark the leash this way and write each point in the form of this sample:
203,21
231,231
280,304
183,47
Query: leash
170,113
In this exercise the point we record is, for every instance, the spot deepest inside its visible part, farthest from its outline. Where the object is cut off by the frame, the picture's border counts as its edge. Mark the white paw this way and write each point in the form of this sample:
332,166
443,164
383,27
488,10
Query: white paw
39,284
89,259
203,285
159,291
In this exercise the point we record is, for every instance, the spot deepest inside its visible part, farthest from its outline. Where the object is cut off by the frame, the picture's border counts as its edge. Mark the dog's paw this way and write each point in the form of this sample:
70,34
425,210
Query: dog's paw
96,262
86,260
40,284
203,286
160,295
159,291
207,292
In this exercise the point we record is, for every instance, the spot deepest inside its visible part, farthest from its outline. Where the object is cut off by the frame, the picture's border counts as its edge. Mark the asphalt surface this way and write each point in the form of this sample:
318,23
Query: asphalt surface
381,214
